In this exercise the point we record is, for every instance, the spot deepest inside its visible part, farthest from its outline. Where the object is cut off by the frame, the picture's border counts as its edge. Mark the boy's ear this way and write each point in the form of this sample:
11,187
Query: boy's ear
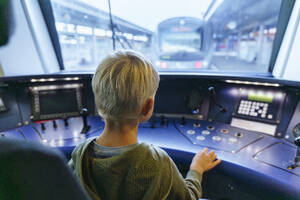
147,107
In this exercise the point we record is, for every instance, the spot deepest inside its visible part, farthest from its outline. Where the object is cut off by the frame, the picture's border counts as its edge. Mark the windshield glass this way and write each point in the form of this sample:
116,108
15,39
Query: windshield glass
176,35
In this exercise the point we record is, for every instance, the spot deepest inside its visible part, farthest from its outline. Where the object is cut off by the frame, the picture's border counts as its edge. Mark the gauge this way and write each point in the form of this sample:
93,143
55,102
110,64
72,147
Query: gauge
296,130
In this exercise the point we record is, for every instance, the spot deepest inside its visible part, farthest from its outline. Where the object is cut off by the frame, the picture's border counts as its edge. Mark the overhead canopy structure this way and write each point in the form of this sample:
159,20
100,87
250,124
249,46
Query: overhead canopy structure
236,15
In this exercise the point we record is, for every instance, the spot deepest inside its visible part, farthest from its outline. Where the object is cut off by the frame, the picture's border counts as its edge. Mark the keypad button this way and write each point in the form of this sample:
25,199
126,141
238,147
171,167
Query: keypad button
196,125
270,116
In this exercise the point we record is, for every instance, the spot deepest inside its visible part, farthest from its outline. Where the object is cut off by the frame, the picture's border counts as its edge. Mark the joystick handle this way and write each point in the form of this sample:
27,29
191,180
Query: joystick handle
152,121
54,124
183,121
164,121
213,93
297,142
84,114
66,122
43,126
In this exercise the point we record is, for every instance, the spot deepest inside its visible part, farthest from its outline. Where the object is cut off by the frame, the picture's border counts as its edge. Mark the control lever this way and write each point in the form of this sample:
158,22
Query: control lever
212,93
66,122
183,121
84,114
196,124
54,124
164,121
297,158
43,126
152,121
297,142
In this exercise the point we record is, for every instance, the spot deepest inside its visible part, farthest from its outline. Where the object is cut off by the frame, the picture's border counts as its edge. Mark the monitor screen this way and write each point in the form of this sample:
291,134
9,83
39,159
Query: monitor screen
58,101
55,101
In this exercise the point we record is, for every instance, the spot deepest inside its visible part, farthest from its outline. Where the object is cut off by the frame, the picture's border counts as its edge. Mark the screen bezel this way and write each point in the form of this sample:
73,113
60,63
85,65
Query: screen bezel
36,114
276,120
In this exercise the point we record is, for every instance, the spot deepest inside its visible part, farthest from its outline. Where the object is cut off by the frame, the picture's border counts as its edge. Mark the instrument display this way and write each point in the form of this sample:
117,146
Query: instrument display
53,101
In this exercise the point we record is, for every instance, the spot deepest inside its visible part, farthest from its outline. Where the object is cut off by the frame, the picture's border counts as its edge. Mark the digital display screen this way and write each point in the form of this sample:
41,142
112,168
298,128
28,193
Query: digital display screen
58,101
261,98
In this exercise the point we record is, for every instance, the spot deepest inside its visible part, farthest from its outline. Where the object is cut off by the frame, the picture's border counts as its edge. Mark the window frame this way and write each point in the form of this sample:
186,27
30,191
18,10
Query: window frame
48,15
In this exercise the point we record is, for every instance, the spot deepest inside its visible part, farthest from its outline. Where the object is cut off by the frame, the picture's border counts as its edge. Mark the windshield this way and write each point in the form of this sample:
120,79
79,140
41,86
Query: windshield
192,35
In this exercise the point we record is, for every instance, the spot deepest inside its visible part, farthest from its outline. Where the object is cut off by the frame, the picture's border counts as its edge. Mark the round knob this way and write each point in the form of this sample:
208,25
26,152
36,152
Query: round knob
182,122
297,141
212,90
84,112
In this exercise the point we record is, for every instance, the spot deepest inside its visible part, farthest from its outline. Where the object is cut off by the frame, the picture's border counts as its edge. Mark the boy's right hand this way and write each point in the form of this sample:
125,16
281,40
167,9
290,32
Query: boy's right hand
204,161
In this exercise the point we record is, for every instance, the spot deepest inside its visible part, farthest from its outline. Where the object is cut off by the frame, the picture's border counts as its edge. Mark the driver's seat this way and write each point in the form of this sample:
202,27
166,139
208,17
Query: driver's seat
33,171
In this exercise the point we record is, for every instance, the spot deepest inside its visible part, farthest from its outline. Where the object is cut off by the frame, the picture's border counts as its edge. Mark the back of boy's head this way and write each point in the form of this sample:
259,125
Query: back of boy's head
122,83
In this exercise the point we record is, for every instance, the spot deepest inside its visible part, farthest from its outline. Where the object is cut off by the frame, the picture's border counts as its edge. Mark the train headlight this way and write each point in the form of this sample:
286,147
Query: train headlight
198,64
163,65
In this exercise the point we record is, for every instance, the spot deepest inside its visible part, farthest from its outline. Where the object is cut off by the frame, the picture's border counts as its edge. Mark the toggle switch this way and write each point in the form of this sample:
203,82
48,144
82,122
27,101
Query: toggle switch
66,122
54,124
43,127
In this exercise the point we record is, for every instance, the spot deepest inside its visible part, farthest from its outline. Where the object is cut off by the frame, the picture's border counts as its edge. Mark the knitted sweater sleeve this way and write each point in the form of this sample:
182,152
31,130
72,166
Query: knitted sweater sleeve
188,188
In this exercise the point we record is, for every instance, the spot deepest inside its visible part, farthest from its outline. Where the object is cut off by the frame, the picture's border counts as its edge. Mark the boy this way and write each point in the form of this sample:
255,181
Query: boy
114,165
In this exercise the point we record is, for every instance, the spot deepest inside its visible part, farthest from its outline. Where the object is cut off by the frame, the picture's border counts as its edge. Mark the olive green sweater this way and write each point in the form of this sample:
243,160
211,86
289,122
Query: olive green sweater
144,172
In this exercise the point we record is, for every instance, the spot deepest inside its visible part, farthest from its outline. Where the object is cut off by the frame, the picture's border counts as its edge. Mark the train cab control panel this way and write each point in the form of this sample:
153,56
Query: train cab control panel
250,126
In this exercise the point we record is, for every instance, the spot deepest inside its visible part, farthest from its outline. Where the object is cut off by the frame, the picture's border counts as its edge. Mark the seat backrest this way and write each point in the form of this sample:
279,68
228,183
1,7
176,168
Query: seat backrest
33,171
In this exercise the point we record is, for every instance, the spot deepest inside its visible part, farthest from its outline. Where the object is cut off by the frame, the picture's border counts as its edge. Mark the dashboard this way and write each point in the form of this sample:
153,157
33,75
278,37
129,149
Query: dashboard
251,123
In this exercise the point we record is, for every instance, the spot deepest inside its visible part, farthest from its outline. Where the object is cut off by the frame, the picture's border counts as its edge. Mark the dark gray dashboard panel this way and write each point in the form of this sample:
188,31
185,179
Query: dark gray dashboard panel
282,160
294,121
11,117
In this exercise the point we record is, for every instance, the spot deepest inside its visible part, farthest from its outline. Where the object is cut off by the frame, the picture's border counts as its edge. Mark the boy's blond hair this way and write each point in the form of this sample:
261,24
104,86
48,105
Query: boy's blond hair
122,83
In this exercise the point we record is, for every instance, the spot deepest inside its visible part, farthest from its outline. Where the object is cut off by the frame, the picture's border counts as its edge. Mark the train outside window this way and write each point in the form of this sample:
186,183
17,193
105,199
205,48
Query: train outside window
185,36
